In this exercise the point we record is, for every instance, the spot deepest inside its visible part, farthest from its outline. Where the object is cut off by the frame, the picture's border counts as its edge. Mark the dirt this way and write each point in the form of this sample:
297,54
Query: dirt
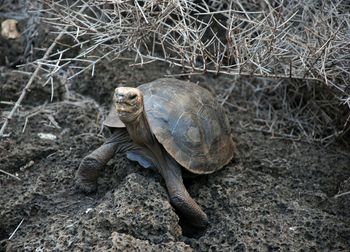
277,194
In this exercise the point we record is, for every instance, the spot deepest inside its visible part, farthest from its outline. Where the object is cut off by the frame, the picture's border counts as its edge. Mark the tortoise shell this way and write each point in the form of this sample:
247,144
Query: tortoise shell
187,120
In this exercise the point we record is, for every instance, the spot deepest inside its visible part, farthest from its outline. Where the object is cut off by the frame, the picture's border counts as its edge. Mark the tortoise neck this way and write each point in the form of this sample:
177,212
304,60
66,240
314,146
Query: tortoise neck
140,131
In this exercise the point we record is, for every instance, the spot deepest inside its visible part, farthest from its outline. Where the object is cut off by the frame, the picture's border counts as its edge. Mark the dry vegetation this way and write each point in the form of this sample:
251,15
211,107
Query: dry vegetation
282,67
305,43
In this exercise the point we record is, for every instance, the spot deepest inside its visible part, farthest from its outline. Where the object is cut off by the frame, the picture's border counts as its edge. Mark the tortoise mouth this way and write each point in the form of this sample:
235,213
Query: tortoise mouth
123,108
127,112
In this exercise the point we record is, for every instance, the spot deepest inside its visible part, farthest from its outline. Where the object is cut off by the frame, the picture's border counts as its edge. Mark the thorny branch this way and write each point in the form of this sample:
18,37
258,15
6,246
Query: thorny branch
278,39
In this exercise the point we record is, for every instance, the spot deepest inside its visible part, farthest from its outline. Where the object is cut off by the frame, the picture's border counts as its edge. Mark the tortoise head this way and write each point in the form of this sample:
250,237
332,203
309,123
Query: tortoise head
128,103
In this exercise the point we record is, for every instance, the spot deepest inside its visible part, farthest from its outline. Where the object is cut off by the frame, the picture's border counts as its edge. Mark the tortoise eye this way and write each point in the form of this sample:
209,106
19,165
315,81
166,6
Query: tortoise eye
133,96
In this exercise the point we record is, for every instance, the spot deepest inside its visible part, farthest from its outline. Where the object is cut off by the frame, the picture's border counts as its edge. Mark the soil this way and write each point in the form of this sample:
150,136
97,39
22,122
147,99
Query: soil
277,194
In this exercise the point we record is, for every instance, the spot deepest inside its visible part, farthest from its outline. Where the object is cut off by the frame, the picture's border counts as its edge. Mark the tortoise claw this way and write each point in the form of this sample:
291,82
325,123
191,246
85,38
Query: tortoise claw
190,211
85,186
201,223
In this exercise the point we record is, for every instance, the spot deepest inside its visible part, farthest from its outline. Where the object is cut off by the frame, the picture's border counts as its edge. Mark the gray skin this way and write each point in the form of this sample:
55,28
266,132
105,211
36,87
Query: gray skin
132,134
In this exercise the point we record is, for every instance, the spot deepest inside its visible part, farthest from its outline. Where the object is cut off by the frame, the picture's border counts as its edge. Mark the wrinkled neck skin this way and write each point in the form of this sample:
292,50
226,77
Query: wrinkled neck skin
140,131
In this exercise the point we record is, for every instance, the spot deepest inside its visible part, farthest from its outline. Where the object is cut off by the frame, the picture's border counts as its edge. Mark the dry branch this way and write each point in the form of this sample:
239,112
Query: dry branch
27,86
9,174
31,80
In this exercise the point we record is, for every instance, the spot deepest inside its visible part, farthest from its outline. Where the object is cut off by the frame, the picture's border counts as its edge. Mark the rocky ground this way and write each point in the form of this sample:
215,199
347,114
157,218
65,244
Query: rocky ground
276,195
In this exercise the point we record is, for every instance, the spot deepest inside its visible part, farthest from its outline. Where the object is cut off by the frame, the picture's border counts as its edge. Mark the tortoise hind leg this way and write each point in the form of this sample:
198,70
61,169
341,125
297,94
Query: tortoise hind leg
91,165
180,198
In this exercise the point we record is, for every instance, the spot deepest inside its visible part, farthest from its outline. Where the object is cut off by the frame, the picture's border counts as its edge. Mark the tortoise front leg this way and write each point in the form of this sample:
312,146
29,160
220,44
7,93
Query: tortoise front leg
179,197
91,165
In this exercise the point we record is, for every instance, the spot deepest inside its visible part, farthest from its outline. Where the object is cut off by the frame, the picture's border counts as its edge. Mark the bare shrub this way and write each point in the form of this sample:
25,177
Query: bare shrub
304,40
290,39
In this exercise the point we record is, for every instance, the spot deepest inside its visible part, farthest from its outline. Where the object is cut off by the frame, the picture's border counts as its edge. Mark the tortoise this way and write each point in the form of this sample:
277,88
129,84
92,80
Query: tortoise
173,126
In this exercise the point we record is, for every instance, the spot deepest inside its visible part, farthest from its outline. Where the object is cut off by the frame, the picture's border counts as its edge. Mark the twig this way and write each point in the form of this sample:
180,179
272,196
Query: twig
13,233
9,174
341,194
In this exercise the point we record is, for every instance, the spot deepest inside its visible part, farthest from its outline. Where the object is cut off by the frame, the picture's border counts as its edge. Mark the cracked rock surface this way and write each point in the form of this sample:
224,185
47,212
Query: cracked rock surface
276,195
